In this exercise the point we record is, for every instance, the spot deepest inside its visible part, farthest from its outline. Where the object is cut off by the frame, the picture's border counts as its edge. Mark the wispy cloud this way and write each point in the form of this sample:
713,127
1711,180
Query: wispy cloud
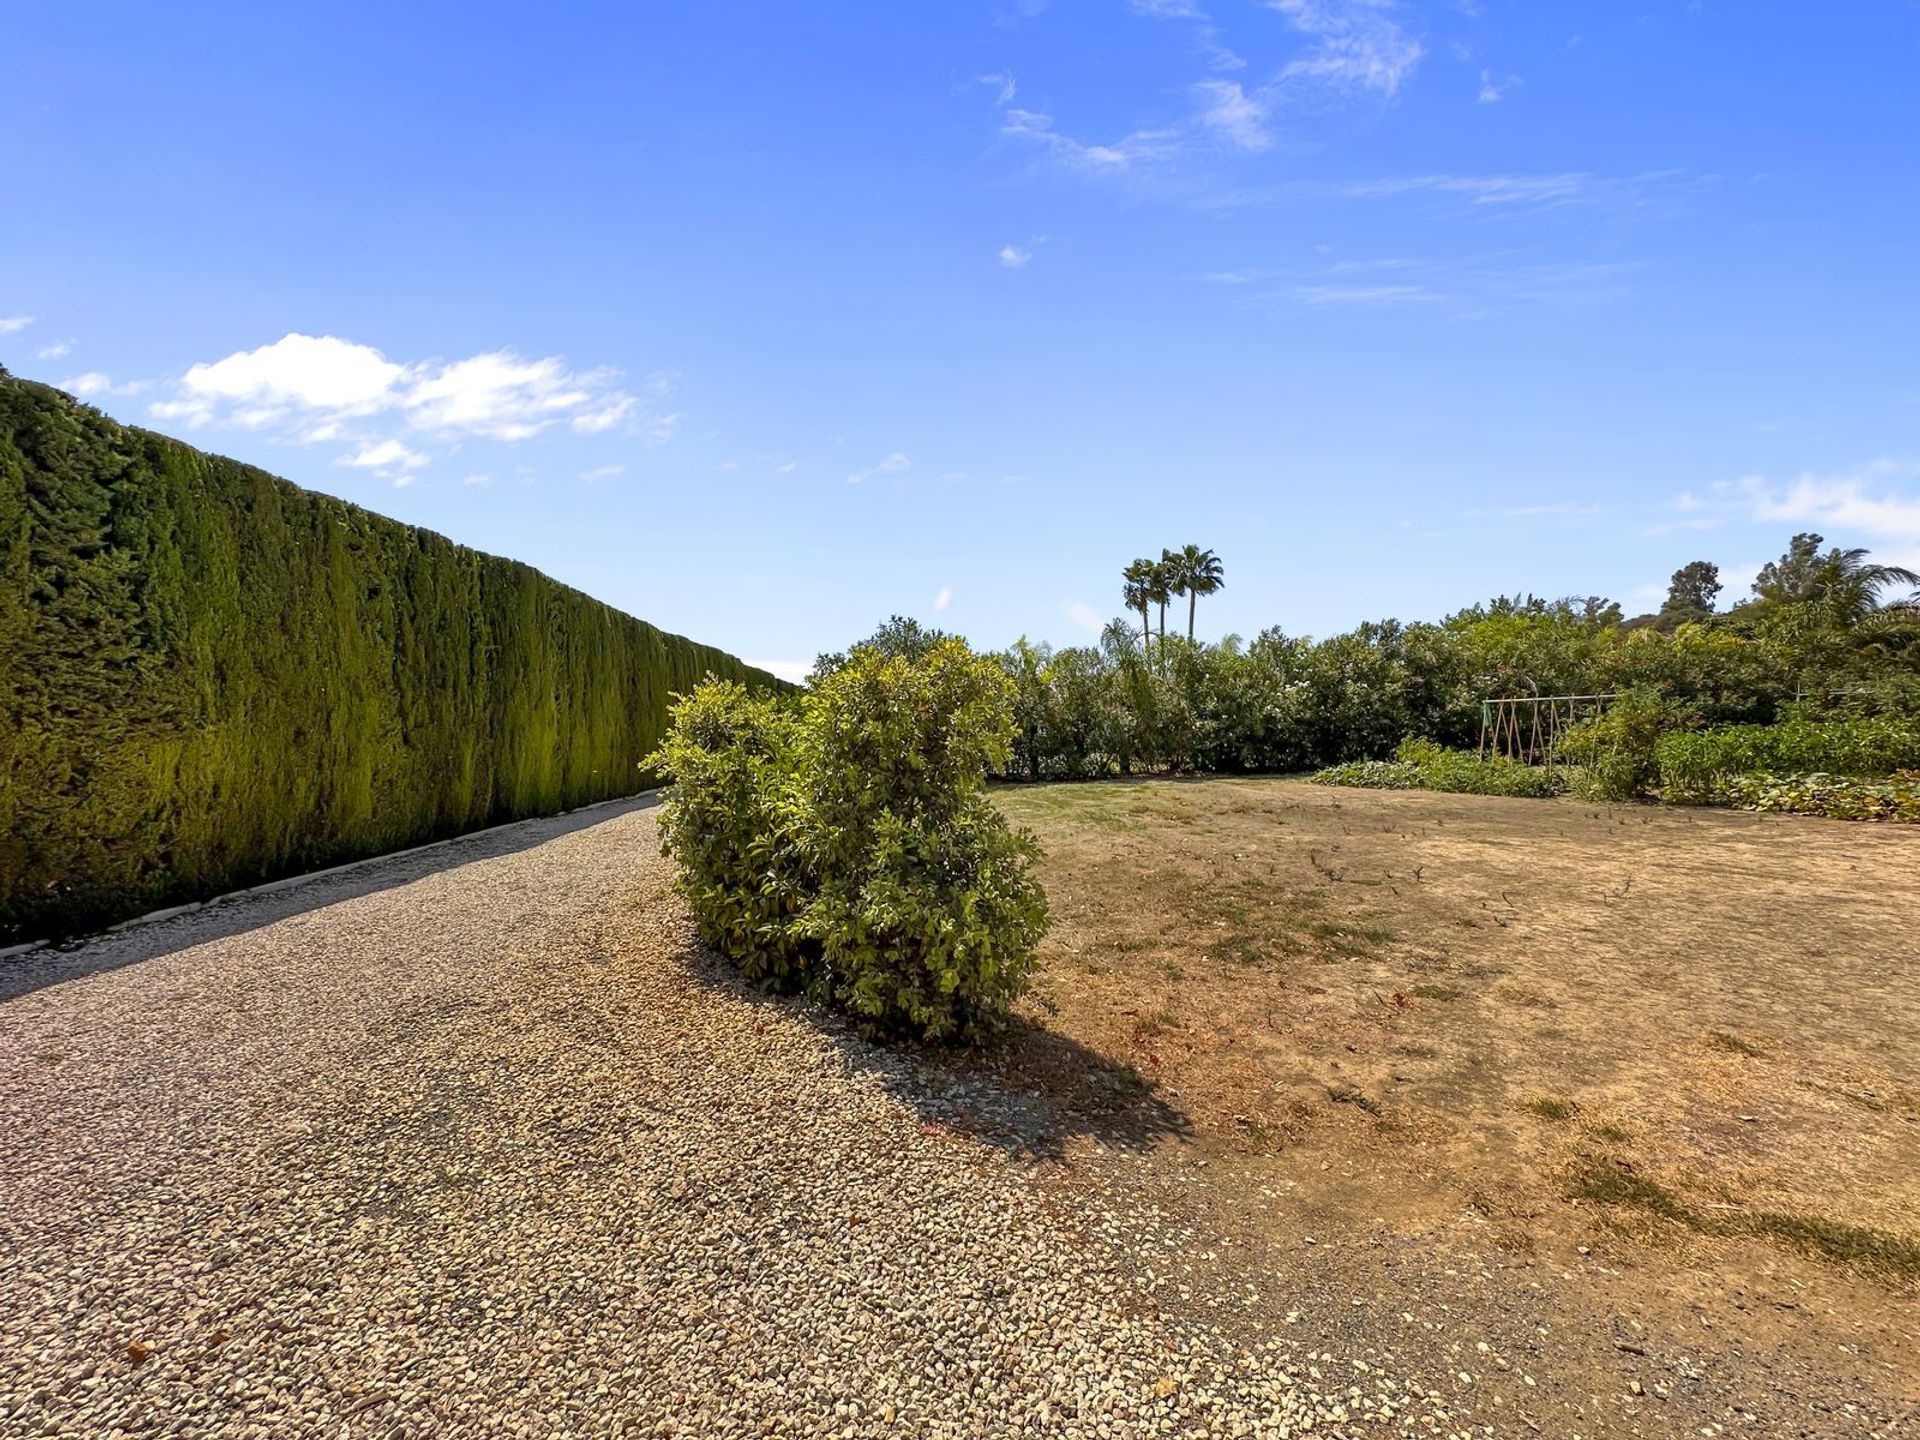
894,464
13,324
1357,44
1206,35
1550,190
1013,257
786,469
1571,510
314,389
1473,285
1493,91
1084,615
1355,48
1127,154
54,351
1334,294
944,598
1237,117
1003,86
603,472
478,480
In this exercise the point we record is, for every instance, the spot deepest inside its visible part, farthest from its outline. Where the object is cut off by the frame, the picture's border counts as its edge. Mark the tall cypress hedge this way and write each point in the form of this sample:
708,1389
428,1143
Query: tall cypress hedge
210,677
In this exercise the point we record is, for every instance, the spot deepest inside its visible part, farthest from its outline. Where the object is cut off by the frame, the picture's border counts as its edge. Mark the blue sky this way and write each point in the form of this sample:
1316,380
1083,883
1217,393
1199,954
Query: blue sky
765,321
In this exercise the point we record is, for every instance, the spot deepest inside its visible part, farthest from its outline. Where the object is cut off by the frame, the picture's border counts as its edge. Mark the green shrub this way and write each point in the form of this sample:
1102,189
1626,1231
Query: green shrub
729,822
210,677
1423,765
1698,768
849,847
1615,751
1837,797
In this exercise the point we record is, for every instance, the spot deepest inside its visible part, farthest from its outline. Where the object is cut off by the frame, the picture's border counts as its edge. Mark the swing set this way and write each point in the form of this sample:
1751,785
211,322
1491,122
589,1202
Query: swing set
1527,728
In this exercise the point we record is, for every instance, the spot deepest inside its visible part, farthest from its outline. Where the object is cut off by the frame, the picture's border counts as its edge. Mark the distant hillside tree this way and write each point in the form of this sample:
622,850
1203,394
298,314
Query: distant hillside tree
1690,596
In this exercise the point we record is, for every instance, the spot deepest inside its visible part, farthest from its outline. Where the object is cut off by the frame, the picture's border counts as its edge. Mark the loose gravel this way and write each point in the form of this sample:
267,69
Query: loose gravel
476,1143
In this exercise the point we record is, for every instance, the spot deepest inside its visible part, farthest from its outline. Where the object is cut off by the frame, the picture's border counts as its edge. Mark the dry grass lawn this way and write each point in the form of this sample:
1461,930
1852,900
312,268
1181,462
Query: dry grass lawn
1694,1032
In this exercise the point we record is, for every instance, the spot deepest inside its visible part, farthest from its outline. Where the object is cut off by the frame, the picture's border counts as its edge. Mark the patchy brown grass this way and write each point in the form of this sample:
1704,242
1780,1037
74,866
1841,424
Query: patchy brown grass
1464,996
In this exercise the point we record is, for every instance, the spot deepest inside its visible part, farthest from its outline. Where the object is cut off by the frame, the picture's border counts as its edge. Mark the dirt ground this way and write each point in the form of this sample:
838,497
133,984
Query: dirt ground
1634,1090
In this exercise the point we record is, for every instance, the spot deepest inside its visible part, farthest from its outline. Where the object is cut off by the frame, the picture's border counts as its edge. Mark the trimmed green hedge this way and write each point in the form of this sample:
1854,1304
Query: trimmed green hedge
1696,767
210,677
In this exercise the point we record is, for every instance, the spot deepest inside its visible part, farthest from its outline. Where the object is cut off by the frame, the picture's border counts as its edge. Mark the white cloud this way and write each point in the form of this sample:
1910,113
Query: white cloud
404,479
786,469
499,396
663,428
305,372
1013,257
794,670
315,388
95,382
603,472
1358,44
944,598
384,455
1238,117
54,351
478,480
894,464
11,324
1084,615
1869,500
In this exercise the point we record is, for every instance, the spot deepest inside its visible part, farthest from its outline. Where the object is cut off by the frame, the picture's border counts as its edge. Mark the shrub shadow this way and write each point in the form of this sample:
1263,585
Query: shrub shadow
1028,1093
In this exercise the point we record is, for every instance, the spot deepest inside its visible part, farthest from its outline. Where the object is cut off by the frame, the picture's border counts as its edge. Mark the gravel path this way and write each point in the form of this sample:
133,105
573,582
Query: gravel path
472,1143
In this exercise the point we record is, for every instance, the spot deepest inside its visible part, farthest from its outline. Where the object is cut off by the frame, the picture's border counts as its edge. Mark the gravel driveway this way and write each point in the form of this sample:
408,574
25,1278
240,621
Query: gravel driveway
472,1143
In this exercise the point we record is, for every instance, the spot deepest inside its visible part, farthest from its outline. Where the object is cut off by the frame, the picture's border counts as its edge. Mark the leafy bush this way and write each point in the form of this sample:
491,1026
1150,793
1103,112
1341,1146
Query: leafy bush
1838,797
1698,768
1615,751
731,754
846,845
1423,765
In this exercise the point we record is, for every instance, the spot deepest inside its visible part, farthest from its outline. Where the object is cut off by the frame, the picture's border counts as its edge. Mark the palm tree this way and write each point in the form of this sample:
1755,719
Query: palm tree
1138,594
1842,582
1160,579
1197,572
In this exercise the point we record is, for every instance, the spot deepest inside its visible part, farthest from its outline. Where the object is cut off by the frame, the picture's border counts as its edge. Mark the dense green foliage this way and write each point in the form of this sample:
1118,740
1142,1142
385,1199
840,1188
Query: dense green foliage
843,844
209,677
1838,797
1423,765
1696,768
1615,751
731,822
1283,703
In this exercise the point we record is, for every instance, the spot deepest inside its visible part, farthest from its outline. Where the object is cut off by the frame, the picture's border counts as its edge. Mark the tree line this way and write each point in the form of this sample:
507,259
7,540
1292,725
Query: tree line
1826,632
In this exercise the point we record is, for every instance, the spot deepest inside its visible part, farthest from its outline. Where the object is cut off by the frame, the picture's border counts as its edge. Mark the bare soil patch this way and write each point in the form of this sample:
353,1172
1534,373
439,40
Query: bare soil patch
1659,1069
